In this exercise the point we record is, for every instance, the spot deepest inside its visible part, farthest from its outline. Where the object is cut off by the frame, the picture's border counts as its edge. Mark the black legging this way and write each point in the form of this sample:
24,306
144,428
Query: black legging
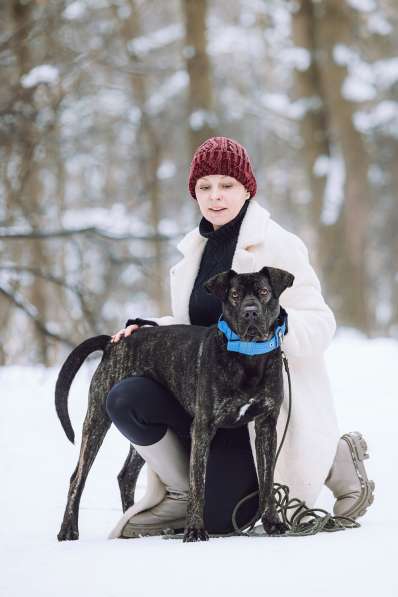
142,409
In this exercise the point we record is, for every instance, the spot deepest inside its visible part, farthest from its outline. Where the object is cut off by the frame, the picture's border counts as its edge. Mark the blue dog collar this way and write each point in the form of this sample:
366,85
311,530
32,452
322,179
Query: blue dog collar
235,344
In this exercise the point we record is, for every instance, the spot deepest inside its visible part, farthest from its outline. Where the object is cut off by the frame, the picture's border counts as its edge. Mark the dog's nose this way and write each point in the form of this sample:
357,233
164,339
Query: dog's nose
250,313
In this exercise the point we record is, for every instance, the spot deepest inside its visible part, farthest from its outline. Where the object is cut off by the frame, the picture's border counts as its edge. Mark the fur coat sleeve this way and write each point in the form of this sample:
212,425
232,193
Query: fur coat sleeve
311,322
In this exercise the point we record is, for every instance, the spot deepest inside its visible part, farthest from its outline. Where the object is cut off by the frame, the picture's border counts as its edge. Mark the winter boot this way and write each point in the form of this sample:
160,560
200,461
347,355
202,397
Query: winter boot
347,479
170,461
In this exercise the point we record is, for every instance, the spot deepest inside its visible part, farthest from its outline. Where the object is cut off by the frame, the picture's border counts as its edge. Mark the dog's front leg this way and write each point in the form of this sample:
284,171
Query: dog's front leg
201,434
265,427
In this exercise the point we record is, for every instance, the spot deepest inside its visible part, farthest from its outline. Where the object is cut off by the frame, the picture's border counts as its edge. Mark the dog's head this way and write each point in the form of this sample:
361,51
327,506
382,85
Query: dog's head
250,301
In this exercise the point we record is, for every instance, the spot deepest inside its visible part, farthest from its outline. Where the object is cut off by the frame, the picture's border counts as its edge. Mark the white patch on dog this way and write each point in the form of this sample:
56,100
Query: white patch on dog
244,408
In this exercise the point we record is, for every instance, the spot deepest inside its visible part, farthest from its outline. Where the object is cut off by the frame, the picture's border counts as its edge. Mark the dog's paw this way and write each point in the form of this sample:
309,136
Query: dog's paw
68,533
194,534
273,526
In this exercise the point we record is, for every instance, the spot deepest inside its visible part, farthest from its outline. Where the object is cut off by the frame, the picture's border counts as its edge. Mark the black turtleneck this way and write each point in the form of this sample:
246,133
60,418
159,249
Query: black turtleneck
205,308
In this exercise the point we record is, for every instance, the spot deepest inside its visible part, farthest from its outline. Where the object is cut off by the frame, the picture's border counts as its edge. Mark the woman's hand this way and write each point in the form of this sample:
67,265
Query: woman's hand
125,332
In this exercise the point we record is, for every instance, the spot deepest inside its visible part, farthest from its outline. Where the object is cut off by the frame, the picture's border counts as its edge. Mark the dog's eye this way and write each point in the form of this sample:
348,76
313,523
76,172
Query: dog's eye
264,291
234,293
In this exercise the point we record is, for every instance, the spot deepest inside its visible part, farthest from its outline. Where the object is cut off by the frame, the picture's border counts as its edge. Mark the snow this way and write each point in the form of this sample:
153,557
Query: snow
75,10
156,40
365,80
169,227
231,40
356,90
38,460
167,169
114,220
171,87
383,115
45,73
334,188
386,72
362,5
8,283
378,24
321,165
296,57
199,118
134,114
124,11
112,101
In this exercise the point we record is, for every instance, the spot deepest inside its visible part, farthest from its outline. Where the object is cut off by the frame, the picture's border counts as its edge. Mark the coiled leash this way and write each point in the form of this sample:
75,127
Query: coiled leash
321,520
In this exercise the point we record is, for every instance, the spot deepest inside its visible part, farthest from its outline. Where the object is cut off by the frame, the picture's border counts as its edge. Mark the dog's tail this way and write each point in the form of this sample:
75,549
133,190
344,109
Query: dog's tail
67,374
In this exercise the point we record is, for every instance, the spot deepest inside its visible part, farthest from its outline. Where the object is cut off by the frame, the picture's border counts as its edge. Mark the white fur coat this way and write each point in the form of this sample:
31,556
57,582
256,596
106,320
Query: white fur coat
311,440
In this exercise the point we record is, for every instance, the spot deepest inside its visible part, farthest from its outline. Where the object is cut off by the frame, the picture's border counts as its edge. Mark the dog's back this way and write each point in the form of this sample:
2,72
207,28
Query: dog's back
170,355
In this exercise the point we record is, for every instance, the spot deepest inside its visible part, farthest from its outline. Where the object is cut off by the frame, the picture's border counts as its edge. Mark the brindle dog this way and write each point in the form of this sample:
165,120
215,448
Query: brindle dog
217,387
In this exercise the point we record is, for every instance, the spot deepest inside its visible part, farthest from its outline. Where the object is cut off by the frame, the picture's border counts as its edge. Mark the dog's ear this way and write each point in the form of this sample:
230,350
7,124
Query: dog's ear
278,278
219,284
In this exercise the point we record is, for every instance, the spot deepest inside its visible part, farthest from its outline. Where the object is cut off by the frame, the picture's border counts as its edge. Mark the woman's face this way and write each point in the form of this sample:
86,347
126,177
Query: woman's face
220,198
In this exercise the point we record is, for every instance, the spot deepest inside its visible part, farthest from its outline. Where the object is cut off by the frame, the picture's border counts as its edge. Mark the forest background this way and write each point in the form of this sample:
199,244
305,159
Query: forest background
102,105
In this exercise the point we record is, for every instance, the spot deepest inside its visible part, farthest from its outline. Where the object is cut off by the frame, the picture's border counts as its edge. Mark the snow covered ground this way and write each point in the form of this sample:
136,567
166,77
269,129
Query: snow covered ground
37,461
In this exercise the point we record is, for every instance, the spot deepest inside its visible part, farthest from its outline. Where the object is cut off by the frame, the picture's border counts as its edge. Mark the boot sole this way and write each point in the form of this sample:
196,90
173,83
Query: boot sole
131,531
176,527
359,452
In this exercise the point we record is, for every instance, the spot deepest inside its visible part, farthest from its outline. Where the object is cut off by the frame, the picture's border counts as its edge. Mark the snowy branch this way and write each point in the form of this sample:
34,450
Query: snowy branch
58,281
31,312
35,234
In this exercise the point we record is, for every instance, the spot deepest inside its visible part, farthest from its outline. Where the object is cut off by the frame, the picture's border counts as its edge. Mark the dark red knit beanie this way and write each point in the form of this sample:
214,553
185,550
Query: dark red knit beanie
220,155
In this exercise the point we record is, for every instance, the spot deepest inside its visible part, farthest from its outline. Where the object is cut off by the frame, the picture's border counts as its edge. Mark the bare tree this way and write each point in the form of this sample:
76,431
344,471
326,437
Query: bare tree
201,121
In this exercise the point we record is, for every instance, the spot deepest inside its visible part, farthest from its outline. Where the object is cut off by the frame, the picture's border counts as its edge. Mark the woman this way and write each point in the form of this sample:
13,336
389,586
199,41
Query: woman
237,233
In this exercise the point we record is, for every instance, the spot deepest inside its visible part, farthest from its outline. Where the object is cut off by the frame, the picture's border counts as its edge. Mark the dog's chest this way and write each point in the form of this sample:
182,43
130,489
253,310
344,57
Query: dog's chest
237,406
232,411
243,397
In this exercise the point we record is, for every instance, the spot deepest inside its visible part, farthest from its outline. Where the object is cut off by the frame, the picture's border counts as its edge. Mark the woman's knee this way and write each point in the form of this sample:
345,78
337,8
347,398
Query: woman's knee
123,395
140,396
143,402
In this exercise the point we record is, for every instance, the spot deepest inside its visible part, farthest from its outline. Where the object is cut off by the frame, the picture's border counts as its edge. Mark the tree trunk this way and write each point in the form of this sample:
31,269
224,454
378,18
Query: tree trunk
30,193
201,119
313,126
350,277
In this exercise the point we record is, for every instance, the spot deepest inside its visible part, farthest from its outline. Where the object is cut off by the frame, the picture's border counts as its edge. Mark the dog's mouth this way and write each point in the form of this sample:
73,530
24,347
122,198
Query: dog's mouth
253,334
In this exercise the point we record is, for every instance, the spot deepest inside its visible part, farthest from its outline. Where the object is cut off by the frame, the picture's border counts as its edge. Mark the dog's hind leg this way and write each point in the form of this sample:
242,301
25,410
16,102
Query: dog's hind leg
95,427
127,478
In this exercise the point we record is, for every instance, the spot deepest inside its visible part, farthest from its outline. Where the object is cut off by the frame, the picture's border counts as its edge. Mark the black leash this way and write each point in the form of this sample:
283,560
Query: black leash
320,520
